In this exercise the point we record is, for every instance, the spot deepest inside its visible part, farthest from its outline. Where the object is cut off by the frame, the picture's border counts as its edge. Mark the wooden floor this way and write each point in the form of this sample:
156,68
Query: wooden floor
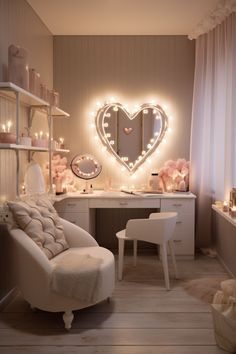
142,318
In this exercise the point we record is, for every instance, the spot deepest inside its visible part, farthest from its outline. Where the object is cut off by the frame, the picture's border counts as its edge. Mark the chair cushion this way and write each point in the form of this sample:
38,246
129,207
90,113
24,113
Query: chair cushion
39,220
106,275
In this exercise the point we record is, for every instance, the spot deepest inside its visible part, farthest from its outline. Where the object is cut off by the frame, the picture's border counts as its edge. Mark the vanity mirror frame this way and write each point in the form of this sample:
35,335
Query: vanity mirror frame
79,173
100,126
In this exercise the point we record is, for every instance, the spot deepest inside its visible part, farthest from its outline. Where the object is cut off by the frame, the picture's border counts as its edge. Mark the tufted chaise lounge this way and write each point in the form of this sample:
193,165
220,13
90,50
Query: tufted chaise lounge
33,268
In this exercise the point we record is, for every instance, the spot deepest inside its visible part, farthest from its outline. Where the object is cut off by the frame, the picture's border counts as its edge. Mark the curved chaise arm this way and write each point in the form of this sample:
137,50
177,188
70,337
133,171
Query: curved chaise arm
76,236
32,269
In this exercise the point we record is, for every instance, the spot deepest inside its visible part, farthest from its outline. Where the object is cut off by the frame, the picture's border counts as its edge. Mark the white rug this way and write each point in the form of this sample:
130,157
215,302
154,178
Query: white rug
204,289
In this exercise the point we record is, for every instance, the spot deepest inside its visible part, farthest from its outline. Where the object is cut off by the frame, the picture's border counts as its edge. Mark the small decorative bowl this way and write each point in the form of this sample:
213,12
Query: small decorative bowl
7,138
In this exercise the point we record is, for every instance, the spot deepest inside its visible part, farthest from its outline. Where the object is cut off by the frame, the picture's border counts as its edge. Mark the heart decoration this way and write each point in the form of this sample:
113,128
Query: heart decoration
148,125
127,131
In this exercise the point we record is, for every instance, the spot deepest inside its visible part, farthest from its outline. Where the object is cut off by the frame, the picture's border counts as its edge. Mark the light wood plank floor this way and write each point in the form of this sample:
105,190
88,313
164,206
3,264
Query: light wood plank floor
141,318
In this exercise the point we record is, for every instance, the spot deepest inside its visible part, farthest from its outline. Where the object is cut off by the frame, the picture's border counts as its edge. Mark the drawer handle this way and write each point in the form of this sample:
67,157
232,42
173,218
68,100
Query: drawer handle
177,241
123,203
178,222
71,204
177,205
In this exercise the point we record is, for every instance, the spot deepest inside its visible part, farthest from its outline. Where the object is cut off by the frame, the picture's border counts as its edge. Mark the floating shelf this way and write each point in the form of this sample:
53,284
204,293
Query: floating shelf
58,112
61,150
19,96
29,148
8,89
225,215
22,147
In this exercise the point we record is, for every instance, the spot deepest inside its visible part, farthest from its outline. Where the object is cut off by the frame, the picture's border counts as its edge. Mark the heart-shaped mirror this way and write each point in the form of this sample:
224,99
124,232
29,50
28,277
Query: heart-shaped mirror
131,137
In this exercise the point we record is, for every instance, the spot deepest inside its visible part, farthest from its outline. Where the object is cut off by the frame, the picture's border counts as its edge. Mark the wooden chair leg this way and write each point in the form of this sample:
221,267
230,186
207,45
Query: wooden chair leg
171,246
135,252
121,258
165,265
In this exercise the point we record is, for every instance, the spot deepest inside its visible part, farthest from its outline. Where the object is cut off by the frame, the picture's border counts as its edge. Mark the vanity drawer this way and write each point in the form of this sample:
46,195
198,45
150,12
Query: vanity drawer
181,206
124,203
183,247
72,205
79,219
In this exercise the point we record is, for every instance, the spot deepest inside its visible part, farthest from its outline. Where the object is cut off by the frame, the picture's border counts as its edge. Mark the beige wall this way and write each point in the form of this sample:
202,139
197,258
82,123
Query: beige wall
134,69
19,25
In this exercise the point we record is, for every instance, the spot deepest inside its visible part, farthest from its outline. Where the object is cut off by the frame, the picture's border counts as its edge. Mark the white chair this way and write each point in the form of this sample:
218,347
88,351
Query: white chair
158,229
33,271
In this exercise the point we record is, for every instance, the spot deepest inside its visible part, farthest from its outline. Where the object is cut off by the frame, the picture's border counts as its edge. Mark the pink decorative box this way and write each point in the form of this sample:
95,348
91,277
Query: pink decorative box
7,138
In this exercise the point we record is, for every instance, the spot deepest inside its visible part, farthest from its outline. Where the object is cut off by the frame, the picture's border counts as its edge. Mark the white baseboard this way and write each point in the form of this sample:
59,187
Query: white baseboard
8,298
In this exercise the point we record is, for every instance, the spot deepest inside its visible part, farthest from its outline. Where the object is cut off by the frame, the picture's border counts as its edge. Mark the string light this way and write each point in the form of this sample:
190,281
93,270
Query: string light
106,136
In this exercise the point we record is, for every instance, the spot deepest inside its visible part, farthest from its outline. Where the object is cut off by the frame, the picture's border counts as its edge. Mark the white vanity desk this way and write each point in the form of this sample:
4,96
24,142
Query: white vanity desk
80,209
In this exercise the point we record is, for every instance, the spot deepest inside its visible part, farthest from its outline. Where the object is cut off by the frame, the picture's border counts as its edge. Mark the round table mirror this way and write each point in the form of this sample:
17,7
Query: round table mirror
85,167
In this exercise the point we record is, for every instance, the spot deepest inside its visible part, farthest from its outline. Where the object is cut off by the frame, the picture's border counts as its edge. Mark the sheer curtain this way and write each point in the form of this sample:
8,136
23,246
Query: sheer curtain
213,138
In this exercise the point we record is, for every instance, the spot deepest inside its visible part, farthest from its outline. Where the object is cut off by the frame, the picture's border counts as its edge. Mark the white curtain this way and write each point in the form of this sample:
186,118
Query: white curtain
213,135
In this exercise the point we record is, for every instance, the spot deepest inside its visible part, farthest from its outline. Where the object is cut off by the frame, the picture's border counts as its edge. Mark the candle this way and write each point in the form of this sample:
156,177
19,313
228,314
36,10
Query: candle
4,128
47,135
182,186
9,124
225,207
61,140
36,135
40,135
233,212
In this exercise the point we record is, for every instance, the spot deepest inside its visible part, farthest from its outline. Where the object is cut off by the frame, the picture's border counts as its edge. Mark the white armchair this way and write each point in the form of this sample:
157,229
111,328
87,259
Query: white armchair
33,271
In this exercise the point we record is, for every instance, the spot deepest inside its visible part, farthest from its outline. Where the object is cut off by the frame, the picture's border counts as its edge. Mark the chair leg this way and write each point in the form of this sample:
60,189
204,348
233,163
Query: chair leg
171,246
68,318
165,265
121,258
135,252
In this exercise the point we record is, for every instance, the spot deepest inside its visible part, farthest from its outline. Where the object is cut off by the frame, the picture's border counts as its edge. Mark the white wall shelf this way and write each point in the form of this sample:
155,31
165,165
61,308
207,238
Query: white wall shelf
19,96
65,151
58,112
225,215
22,147
30,148
8,89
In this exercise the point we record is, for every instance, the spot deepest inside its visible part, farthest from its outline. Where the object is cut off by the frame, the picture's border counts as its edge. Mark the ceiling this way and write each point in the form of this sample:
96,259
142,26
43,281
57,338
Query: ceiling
122,17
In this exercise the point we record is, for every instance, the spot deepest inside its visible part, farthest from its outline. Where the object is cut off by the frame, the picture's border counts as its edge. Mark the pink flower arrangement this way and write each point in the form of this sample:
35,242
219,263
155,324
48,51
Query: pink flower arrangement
175,175
60,173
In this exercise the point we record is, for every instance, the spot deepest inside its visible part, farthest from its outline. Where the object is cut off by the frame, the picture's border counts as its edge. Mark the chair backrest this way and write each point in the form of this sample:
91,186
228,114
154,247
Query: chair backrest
158,229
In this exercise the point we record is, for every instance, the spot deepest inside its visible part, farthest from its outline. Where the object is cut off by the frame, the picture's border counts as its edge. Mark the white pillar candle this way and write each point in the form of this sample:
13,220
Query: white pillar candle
225,207
9,124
